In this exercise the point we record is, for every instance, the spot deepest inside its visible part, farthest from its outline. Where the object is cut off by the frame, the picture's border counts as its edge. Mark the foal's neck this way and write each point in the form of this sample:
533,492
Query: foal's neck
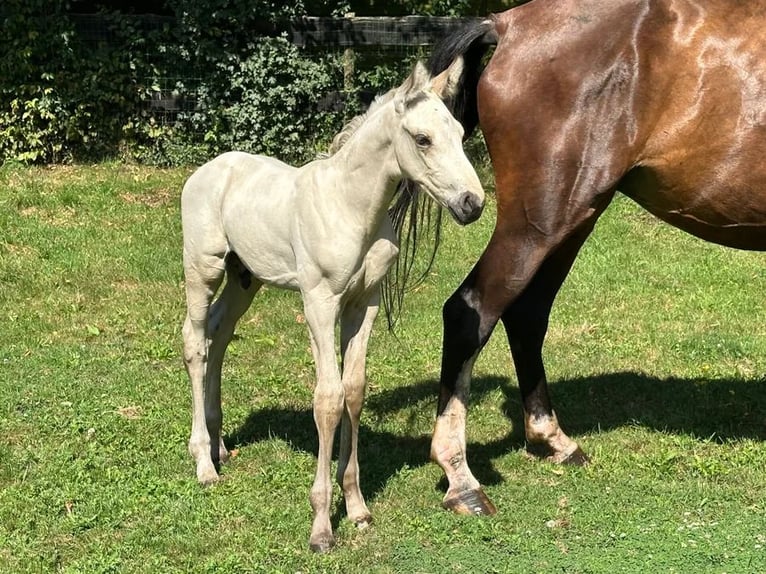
366,165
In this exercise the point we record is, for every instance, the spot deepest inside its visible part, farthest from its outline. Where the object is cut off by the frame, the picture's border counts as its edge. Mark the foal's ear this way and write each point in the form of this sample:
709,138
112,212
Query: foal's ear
446,84
415,82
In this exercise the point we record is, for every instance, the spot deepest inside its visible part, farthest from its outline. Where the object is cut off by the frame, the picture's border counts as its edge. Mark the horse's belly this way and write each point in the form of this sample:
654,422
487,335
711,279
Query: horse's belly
263,249
731,213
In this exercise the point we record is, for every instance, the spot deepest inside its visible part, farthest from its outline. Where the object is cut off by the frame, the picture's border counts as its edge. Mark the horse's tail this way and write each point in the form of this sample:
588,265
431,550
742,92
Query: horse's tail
471,42
416,219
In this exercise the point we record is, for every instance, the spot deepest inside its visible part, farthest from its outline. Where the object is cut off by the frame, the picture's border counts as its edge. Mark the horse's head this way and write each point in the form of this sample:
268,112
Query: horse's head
429,142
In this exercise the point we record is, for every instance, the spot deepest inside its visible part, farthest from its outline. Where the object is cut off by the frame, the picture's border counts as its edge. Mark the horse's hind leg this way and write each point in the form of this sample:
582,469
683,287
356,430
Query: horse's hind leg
203,276
356,327
235,299
526,322
468,323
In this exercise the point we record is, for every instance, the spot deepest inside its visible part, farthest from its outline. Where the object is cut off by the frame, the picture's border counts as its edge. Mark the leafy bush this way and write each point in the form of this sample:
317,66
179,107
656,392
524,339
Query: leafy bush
69,93
274,105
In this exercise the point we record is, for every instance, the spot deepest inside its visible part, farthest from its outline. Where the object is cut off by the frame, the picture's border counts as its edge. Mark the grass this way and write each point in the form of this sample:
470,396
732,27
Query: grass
655,353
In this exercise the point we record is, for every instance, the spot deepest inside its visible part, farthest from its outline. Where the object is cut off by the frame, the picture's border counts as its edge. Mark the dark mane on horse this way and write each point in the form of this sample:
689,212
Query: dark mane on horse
416,220
471,42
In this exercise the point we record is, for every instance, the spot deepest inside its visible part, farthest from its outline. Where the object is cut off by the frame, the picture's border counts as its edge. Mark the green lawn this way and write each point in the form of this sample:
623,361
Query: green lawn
655,353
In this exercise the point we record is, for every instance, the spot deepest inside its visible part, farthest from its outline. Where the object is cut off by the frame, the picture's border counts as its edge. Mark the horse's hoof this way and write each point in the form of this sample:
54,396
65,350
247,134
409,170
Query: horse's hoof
470,502
577,458
363,522
207,475
322,544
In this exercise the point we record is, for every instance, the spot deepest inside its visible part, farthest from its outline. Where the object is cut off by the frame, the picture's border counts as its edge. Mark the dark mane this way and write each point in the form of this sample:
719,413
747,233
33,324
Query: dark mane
471,42
417,220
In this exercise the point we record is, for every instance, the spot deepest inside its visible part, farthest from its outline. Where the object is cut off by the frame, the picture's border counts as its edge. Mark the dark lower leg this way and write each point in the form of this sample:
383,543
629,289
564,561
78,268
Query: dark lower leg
465,333
526,323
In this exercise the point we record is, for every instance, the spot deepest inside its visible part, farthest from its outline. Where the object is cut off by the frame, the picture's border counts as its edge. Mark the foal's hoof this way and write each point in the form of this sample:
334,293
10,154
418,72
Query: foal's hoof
363,522
470,502
322,544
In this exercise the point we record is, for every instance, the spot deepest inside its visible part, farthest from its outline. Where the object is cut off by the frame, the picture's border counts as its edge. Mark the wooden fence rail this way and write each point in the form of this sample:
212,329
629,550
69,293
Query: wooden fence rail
354,31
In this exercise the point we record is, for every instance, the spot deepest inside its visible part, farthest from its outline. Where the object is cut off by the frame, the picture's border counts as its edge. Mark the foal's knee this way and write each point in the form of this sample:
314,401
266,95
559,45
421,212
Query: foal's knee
328,404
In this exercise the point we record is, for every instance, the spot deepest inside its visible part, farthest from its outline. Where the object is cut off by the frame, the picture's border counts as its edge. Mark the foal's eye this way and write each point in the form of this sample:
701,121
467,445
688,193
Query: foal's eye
422,140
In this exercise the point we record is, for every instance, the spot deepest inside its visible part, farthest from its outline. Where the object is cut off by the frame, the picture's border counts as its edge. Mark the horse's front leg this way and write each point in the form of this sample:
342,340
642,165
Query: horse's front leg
321,309
356,326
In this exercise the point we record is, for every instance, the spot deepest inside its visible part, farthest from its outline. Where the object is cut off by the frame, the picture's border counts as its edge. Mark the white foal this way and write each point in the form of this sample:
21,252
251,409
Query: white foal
322,229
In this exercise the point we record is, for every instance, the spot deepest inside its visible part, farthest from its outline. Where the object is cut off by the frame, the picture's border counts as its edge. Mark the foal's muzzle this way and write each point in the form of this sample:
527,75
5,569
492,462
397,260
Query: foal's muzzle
466,208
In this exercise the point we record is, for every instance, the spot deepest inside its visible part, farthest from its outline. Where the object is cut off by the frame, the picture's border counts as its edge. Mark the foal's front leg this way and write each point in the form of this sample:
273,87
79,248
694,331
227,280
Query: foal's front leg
321,309
356,326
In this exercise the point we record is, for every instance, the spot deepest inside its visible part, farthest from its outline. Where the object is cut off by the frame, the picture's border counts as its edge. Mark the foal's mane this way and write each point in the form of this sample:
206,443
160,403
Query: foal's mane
412,214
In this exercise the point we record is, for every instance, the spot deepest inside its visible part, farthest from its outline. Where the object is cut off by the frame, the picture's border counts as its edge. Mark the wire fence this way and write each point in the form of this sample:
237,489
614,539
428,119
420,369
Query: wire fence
363,46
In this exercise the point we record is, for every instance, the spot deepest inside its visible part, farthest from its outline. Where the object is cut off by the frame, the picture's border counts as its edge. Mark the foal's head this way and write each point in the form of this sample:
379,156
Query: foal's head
429,142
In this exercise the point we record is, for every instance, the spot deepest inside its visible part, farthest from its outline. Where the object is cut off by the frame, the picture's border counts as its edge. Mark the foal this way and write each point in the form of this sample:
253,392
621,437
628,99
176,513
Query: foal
322,229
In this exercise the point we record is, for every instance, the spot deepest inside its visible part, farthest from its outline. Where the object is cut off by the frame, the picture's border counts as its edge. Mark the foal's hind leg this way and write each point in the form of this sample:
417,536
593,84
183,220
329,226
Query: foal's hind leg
236,297
203,276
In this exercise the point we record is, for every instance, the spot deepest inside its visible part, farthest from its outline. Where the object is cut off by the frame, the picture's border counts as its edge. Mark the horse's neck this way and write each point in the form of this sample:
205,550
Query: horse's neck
366,165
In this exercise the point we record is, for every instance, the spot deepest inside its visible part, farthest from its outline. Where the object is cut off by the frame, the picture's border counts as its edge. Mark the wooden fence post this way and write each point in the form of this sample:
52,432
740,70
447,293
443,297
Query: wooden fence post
349,63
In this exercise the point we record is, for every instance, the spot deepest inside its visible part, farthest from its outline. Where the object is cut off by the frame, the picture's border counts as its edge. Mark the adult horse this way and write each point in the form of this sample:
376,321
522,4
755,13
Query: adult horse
663,100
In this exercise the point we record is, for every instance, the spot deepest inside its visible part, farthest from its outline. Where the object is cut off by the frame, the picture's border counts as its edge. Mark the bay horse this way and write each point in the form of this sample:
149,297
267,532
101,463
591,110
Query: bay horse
663,100
324,230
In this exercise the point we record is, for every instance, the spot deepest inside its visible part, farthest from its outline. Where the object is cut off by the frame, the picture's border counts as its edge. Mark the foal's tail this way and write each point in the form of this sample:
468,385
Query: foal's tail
415,217
471,42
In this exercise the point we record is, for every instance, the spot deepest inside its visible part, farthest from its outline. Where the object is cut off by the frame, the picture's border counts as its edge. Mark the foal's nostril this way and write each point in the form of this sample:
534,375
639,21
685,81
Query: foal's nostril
468,202
470,205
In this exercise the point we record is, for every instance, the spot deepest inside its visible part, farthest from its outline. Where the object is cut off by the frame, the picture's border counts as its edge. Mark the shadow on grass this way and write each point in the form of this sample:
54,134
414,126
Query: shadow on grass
724,409
381,454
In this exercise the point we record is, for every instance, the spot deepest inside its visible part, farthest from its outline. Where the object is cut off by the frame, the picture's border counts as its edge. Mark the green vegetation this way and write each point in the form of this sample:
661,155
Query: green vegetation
186,82
656,353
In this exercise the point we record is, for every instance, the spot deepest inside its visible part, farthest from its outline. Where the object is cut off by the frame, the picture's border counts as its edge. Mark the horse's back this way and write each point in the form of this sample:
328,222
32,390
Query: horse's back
233,170
663,99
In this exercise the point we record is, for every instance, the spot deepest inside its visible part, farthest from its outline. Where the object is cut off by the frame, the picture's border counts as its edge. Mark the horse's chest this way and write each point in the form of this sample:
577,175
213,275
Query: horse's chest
353,266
